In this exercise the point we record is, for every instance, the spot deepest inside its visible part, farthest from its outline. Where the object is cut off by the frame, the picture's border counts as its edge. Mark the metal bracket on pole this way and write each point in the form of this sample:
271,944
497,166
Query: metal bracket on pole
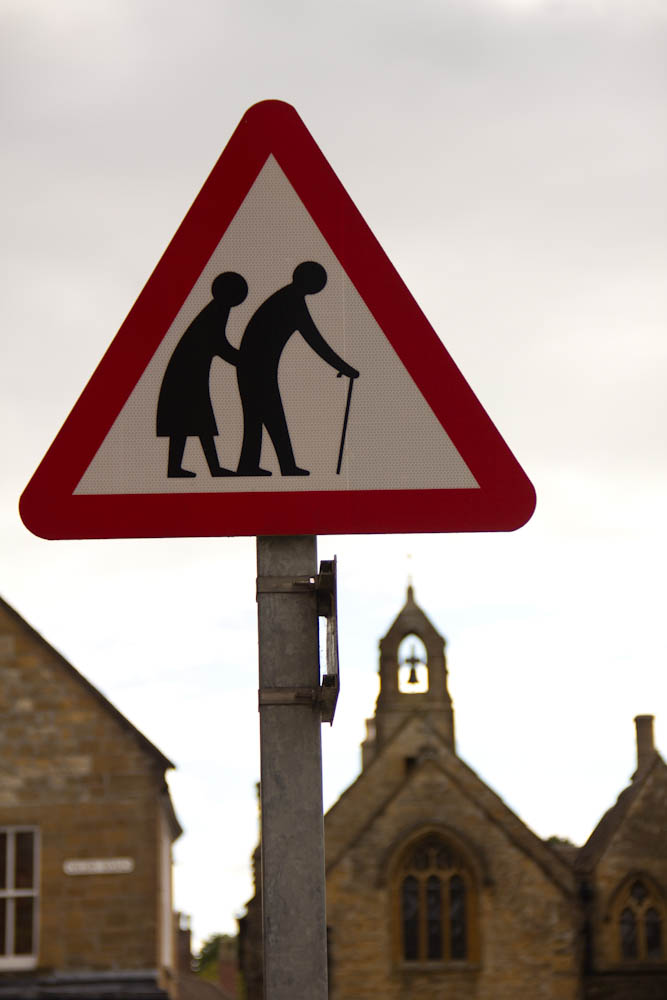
288,696
324,585
285,584
327,607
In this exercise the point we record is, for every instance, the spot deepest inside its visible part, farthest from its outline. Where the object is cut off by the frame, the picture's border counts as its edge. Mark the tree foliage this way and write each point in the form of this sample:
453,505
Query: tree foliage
205,962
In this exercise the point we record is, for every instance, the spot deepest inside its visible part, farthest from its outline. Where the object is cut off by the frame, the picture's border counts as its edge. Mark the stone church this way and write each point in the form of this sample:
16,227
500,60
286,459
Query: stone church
435,888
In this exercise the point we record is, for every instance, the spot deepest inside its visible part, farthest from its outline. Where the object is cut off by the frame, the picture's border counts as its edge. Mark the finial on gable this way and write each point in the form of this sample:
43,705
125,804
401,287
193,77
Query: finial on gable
411,592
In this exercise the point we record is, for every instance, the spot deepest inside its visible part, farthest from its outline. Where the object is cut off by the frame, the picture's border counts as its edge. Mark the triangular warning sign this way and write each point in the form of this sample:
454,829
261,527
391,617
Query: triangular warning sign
275,376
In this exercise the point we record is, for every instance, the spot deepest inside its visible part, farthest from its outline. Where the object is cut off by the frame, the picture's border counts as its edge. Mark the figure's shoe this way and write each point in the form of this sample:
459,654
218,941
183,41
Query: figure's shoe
295,471
220,472
180,474
253,472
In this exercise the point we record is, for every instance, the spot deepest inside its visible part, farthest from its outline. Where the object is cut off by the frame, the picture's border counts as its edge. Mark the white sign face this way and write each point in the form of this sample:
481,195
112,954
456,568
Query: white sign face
392,438
98,866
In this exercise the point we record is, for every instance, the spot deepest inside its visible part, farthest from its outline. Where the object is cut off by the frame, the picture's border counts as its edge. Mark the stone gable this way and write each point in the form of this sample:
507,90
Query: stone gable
527,934
628,848
92,789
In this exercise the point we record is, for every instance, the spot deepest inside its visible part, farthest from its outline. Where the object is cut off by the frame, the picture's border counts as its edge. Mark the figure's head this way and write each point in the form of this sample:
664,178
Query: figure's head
309,277
229,289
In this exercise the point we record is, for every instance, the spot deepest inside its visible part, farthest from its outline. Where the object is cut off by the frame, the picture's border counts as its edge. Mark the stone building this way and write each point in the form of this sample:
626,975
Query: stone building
435,888
86,832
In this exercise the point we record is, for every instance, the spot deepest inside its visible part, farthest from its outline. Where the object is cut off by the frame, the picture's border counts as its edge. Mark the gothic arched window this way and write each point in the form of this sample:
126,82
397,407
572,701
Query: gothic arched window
640,922
435,903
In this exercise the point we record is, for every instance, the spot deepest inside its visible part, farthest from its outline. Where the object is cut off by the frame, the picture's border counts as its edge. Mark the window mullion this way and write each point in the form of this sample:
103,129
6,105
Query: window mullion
641,933
421,921
446,923
444,909
11,882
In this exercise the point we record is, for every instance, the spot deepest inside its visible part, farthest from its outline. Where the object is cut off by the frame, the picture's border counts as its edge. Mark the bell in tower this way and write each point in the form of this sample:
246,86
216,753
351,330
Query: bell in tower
412,666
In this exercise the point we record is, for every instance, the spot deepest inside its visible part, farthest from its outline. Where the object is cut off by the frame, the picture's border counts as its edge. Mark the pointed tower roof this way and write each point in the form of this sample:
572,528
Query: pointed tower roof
411,619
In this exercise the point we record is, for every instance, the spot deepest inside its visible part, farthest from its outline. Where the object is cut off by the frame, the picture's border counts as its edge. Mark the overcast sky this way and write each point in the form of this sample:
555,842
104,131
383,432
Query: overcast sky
510,156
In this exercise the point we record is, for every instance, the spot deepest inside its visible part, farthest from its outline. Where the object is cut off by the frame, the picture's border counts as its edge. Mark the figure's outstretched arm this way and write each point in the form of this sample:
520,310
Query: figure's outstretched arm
228,352
223,348
314,339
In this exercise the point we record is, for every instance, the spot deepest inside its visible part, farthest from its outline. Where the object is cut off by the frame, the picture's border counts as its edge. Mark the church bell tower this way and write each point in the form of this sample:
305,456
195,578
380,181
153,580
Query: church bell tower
413,679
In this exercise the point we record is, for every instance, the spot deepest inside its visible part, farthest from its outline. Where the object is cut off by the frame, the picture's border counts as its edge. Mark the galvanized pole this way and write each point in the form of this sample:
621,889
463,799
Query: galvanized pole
293,888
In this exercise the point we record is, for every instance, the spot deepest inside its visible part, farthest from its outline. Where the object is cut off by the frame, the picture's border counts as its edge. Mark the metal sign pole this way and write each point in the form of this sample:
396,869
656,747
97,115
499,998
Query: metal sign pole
293,886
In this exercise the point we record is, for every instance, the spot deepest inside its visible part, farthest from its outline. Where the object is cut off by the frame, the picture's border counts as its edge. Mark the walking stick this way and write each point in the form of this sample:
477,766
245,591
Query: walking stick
342,437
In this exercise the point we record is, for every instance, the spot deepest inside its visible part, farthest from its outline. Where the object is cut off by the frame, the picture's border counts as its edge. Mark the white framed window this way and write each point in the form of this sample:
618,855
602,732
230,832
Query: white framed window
19,896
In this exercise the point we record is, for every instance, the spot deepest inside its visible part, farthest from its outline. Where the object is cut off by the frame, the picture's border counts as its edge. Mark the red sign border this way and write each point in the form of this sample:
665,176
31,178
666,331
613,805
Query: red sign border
505,499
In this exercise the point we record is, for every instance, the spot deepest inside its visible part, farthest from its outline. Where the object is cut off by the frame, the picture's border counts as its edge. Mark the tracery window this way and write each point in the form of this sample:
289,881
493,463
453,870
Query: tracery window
640,919
435,903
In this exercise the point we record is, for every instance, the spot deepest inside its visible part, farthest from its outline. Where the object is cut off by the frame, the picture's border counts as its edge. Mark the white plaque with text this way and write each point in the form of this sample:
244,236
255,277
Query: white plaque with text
98,866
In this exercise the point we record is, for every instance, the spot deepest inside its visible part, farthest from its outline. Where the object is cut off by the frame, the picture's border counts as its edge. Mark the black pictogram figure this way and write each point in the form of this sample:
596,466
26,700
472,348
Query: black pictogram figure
262,344
184,406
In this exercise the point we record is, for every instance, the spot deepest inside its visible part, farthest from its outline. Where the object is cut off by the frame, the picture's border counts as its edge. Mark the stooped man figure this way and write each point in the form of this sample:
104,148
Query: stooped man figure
257,361
184,405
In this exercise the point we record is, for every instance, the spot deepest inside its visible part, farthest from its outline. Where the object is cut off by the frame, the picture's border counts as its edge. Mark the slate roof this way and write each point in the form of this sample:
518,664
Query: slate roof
597,843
